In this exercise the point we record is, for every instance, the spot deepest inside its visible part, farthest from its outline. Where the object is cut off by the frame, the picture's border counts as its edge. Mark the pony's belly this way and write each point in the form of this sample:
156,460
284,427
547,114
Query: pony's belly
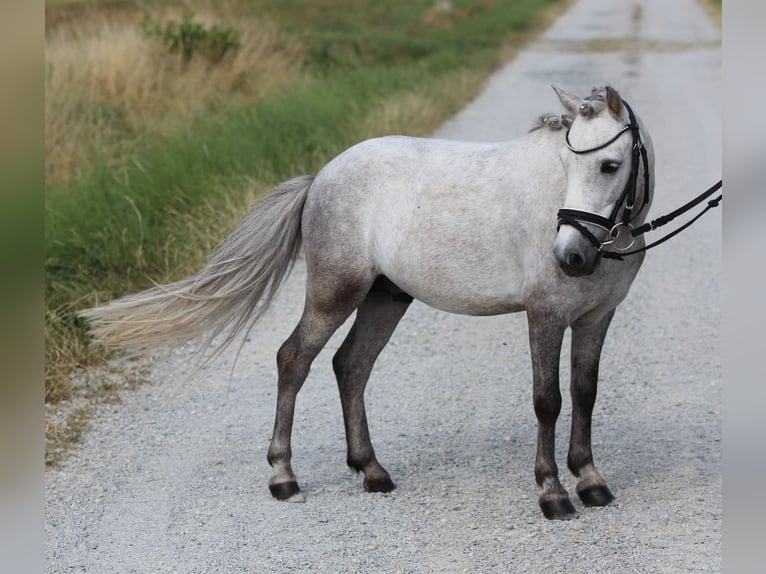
456,276
474,308
474,298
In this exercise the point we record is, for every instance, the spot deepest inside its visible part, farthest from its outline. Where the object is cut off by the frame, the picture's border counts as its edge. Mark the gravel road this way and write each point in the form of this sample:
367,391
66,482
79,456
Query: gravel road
174,478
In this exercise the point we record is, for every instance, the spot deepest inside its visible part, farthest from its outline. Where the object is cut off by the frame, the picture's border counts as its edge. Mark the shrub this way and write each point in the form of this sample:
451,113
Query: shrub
189,38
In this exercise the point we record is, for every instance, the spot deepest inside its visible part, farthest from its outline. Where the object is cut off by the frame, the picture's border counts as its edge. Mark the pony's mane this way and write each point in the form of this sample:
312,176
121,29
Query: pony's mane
552,122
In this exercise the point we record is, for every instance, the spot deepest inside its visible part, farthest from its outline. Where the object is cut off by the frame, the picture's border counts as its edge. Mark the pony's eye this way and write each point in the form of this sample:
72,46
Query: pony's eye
609,166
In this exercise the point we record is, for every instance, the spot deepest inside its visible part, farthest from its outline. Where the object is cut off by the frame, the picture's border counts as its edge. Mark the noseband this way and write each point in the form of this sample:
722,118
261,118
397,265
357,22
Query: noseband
620,236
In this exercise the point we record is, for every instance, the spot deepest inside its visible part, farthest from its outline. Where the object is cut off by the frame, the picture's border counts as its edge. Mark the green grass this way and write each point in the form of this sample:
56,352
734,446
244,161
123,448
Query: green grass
116,230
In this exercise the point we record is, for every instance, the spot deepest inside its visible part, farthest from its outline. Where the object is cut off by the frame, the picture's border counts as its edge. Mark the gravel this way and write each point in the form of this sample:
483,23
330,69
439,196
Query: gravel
173,479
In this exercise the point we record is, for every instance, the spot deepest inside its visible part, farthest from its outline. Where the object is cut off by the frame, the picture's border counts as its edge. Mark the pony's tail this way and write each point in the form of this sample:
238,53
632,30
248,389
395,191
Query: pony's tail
231,292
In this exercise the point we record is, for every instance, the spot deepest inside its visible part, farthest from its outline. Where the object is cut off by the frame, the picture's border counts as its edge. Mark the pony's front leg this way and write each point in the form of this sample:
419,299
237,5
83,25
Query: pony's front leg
587,340
546,332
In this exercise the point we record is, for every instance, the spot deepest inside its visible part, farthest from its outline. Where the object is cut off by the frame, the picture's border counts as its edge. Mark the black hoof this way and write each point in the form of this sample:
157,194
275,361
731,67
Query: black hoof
596,496
558,509
284,490
384,485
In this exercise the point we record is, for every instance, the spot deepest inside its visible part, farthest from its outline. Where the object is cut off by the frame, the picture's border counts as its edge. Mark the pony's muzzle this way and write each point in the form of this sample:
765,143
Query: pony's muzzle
574,253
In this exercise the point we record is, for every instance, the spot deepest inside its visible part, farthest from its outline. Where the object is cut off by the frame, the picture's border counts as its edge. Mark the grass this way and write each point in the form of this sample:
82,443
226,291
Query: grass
110,86
168,175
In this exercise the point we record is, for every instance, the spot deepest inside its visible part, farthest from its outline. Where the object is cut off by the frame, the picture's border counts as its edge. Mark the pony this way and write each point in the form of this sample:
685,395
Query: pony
466,227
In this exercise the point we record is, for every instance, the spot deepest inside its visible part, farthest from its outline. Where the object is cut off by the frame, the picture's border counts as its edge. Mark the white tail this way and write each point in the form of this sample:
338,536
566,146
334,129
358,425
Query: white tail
231,292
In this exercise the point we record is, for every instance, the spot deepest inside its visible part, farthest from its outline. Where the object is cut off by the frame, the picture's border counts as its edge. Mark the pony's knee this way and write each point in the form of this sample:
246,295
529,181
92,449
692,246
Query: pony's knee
547,406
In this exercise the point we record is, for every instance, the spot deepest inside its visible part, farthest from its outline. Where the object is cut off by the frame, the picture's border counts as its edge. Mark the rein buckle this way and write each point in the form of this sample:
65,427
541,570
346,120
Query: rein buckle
621,237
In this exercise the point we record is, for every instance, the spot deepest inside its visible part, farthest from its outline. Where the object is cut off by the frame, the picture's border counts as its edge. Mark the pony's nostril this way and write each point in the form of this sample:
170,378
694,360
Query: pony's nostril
575,260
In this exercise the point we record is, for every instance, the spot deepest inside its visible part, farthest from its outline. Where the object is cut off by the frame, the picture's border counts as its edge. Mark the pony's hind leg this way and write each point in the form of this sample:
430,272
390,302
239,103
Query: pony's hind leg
587,340
319,321
376,319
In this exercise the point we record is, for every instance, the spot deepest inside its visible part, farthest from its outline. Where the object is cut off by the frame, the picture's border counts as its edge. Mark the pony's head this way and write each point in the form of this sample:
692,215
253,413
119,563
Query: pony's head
601,164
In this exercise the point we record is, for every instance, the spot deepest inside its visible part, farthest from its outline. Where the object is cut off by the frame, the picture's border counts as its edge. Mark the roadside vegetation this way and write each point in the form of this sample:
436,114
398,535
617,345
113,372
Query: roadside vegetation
165,120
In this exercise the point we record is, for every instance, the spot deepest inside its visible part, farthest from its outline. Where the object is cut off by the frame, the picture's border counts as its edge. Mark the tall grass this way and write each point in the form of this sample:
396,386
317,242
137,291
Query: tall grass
153,209
109,86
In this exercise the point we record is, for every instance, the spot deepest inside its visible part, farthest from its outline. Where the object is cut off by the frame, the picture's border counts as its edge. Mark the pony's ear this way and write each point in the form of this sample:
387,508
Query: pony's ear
614,102
570,102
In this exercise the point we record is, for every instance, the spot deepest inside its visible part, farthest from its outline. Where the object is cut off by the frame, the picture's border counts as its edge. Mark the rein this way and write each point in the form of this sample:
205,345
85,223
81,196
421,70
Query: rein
660,221
622,234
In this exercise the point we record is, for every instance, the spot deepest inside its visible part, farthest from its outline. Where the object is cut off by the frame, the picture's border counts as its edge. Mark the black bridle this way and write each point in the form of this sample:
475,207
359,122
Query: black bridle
622,234
618,232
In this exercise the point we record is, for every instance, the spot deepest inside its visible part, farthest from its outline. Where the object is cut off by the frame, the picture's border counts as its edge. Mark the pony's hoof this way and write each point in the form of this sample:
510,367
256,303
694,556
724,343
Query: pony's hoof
379,485
595,496
287,491
558,509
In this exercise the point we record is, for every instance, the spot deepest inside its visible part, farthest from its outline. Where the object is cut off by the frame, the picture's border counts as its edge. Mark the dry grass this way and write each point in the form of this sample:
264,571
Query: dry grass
107,85
415,112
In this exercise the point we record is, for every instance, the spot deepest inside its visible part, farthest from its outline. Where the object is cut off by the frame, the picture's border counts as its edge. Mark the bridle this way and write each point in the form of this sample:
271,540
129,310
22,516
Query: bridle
619,232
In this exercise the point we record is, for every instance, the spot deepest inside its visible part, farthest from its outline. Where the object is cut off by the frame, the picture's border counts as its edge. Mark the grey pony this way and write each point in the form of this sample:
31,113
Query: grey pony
465,227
